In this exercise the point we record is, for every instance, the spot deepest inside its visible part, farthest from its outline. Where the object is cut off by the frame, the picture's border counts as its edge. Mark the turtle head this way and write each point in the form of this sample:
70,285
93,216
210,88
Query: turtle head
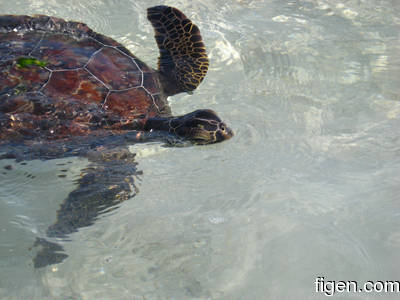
202,126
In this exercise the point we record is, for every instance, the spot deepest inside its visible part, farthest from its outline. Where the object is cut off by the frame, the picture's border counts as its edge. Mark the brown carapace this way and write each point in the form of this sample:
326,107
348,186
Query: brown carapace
60,79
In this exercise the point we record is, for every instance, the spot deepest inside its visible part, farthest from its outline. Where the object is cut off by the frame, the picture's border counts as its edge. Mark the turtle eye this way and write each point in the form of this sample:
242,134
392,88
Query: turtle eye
222,127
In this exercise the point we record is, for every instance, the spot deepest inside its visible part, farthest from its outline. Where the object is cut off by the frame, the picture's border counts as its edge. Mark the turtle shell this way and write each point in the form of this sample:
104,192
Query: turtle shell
73,80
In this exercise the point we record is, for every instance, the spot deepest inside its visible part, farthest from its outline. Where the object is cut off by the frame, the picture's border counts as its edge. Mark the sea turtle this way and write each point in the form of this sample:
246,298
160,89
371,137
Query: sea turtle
66,90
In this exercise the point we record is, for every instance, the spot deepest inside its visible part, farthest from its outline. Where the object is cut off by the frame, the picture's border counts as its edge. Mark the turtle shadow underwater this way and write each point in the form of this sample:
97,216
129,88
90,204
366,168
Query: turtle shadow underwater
107,181
66,90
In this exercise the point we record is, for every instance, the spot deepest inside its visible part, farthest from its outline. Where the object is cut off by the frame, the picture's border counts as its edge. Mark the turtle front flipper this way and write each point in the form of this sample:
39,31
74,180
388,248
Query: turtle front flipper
183,61
105,183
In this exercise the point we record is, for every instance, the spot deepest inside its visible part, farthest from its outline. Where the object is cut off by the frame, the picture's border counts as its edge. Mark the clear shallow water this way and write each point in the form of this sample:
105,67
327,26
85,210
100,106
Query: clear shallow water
308,187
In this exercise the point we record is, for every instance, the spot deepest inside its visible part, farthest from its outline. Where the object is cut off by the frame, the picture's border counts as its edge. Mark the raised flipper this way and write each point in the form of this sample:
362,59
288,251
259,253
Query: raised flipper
183,61
106,182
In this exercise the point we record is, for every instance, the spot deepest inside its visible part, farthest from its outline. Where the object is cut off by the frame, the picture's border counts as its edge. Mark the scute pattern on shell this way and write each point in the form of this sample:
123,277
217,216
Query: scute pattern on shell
83,68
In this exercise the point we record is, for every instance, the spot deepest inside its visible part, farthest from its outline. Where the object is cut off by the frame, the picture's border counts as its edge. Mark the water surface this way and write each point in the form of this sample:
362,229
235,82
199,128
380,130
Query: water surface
308,187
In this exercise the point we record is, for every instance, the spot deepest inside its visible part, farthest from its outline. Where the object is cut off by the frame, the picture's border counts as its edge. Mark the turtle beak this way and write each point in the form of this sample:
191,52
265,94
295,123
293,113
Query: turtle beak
228,133
223,133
